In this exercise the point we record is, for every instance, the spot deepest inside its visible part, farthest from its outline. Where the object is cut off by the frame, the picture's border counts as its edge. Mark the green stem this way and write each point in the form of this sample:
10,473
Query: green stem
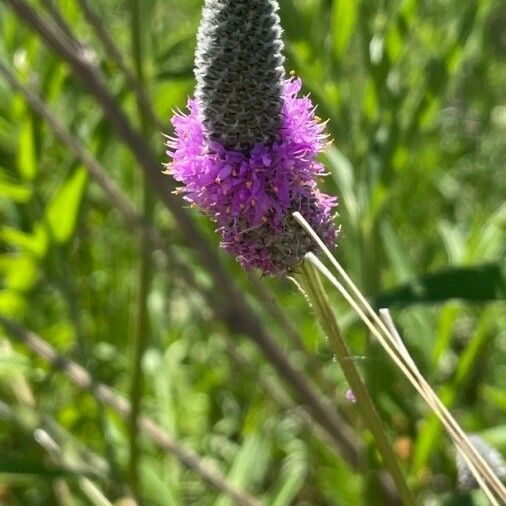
313,287
142,328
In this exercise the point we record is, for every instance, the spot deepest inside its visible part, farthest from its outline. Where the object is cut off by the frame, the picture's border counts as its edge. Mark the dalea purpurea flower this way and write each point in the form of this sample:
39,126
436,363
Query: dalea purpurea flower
492,457
246,150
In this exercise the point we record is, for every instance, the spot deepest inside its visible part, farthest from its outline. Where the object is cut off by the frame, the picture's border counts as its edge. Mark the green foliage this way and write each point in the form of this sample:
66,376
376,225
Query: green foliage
25,467
480,283
62,211
414,91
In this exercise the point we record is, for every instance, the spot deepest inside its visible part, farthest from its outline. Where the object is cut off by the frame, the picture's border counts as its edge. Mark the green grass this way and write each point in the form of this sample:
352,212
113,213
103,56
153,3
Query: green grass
414,91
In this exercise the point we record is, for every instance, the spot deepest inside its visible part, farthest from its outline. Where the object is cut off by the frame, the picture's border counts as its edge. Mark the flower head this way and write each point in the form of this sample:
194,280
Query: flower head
239,71
492,457
246,151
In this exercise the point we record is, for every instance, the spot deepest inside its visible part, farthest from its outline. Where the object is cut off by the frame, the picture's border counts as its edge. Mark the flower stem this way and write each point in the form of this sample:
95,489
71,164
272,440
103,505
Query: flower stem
310,281
142,327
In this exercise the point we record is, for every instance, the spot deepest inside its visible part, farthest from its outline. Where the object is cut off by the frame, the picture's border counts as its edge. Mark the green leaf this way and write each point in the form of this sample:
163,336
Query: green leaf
20,271
291,477
31,466
344,19
496,396
469,360
63,210
35,243
290,488
394,44
27,164
480,283
15,192
399,260
12,304
13,363
249,462
496,436
344,175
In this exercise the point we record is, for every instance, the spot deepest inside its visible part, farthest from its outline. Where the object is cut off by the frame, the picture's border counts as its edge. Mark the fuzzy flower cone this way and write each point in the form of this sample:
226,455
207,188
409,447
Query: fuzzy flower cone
245,152
492,457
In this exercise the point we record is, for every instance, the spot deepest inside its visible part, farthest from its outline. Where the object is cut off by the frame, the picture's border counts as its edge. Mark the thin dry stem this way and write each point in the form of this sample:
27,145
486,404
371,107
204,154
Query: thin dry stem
420,384
323,311
393,345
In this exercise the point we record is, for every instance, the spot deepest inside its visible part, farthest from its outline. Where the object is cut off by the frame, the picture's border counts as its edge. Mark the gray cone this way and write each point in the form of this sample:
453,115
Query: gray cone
493,458
239,71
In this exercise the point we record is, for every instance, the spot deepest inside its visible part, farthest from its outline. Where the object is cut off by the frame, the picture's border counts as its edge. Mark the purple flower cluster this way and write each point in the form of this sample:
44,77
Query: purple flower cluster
251,195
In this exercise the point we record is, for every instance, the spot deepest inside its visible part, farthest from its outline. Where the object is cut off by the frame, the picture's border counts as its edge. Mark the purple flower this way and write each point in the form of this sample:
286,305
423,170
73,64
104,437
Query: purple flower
246,151
251,195
350,396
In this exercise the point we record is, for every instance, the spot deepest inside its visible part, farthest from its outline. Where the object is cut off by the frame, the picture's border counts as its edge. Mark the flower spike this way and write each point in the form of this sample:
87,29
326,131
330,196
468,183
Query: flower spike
246,152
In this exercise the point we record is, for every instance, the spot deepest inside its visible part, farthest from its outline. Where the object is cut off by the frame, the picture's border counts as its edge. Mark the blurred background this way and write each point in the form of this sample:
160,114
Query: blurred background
100,260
